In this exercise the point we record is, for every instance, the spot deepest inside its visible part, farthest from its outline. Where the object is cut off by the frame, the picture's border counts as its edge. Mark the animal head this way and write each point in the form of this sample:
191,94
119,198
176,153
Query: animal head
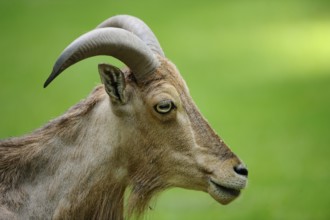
162,135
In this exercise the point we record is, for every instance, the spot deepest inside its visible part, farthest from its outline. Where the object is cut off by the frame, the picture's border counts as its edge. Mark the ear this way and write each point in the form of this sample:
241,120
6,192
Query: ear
114,82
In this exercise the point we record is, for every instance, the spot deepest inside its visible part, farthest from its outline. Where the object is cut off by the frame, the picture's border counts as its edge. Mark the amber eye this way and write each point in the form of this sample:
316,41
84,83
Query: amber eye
164,106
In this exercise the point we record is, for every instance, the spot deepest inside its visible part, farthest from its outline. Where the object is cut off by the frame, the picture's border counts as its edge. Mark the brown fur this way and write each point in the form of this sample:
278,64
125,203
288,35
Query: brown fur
83,162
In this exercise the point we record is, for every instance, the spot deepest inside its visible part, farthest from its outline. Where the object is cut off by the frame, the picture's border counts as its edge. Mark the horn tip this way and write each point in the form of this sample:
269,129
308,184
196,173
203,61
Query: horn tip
47,82
51,77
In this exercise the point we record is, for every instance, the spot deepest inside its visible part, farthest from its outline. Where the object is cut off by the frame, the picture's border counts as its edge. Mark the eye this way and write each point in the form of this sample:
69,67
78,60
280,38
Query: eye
164,106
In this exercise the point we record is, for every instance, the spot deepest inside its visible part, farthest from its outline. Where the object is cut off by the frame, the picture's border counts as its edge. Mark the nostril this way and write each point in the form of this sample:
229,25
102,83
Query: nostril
241,170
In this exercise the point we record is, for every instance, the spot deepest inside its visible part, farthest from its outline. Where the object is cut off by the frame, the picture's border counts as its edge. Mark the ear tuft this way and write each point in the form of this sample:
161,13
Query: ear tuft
114,82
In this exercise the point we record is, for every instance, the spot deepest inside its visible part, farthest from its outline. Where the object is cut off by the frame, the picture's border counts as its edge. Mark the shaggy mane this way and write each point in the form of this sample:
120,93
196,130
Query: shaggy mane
104,200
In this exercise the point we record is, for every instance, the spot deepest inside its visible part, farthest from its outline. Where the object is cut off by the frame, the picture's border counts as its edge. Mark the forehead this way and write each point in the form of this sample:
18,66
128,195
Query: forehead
166,77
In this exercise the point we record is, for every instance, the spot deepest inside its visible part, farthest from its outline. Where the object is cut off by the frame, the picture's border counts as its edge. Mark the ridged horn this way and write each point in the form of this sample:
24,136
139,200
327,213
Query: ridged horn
115,42
137,27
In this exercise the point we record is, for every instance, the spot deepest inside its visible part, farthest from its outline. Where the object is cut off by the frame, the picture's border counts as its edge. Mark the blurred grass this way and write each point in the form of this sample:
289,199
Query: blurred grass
258,70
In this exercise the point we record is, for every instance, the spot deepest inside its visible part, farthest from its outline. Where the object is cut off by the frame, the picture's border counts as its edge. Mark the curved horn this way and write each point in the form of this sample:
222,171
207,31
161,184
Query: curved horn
137,27
115,42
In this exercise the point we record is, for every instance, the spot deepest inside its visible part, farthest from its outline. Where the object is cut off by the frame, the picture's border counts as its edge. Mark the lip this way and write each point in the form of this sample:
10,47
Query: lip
230,191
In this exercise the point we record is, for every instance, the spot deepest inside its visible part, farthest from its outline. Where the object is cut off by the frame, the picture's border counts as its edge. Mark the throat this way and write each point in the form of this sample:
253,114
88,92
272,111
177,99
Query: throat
104,200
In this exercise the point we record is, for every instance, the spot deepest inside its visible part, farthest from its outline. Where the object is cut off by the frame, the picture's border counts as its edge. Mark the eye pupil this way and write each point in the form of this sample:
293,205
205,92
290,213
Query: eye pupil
164,107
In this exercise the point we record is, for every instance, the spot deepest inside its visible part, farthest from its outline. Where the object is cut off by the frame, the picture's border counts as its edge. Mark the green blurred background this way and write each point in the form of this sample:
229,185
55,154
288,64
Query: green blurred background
258,70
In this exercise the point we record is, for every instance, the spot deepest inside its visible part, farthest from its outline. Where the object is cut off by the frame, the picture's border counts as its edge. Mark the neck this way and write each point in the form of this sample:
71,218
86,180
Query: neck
59,162
73,169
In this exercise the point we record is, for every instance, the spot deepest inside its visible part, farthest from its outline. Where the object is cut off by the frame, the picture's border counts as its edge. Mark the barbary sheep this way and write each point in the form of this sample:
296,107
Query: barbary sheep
139,132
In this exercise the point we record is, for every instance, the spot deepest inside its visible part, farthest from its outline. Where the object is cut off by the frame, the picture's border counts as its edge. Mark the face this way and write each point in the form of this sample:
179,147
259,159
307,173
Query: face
179,145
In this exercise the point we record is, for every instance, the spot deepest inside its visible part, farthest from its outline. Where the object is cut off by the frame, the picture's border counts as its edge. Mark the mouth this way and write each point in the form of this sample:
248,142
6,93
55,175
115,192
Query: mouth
223,194
226,190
